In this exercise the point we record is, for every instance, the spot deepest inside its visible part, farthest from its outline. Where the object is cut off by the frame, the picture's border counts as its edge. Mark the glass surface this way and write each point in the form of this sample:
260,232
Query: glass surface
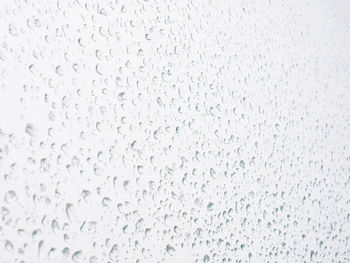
174,131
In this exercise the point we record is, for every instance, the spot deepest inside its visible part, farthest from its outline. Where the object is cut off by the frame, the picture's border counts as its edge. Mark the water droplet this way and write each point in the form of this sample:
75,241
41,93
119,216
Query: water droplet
170,250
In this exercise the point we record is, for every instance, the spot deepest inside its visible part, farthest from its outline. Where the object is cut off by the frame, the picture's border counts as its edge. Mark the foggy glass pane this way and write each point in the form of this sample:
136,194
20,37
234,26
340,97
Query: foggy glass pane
174,131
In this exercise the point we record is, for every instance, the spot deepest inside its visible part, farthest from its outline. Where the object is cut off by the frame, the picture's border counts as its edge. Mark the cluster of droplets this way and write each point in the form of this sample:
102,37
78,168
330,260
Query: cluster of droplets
190,131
